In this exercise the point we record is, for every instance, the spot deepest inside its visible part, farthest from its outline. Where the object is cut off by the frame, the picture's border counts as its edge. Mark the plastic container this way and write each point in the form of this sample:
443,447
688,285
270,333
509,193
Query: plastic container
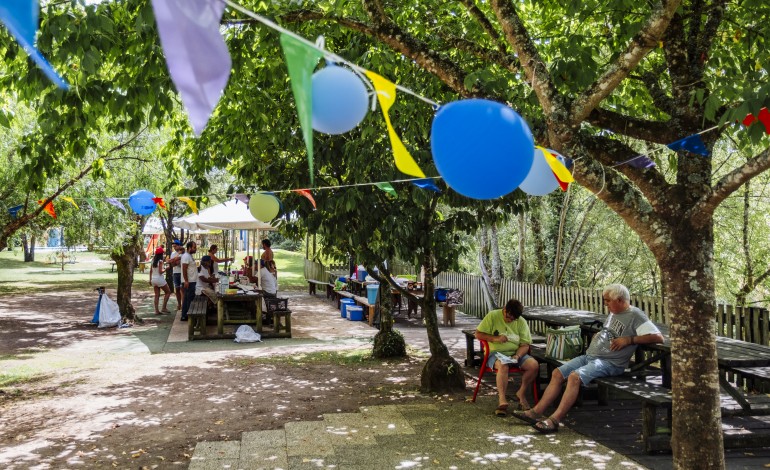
362,274
440,294
371,293
355,313
344,303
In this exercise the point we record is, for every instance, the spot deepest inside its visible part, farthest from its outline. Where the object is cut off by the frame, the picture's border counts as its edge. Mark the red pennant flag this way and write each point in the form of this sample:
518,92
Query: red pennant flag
306,193
159,201
763,116
48,207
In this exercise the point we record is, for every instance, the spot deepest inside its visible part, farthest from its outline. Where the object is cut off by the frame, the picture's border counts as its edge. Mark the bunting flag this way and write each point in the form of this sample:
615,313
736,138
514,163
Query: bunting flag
48,207
189,202
692,143
642,162
70,200
197,56
307,194
426,183
763,117
388,188
244,198
13,211
562,174
301,59
116,203
21,19
386,95
91,203
159,201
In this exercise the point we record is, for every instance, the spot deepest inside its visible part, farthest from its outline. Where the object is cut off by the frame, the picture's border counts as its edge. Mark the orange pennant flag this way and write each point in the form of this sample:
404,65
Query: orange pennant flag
159,201
48,207
306,193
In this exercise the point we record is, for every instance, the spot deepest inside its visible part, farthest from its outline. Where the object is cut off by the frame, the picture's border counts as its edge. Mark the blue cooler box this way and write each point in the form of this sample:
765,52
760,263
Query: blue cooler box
355,313
362,274
440,294
344,303
371,293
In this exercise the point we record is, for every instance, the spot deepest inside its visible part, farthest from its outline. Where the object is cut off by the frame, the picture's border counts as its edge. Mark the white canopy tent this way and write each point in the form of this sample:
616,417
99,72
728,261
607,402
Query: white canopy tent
155,227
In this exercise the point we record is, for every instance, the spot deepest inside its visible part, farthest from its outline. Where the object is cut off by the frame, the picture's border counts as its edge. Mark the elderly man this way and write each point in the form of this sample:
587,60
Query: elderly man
608,355
509,338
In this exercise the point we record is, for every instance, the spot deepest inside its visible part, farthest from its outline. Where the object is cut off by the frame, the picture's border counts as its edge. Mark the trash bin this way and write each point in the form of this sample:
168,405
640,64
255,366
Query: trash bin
371,293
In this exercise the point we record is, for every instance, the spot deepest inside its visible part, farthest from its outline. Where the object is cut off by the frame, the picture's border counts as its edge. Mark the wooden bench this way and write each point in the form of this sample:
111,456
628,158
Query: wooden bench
196,318
757,378
278,309
312,284
340,294
369,309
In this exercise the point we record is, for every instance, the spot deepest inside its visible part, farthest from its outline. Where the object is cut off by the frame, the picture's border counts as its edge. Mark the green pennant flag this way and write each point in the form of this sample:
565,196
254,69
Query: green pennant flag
387,188
91,203
301,59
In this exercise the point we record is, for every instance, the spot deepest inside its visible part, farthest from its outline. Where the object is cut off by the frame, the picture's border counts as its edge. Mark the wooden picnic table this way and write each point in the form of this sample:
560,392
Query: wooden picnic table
224,303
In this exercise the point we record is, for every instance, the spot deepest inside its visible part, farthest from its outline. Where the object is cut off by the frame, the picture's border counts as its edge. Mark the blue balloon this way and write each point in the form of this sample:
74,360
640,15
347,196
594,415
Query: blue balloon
340,100
482,149
141,202
541,180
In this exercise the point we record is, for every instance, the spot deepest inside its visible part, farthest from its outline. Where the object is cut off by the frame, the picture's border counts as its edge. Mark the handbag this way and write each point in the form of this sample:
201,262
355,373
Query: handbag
563,343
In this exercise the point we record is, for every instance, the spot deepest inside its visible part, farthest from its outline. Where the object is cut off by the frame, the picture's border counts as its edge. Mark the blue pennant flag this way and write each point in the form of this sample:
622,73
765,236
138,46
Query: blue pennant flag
693,144
20,17
13,211
426,183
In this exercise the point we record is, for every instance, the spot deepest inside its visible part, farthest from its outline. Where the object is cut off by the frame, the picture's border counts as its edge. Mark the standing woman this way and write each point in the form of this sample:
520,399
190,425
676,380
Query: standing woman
215,261
267,257
158,281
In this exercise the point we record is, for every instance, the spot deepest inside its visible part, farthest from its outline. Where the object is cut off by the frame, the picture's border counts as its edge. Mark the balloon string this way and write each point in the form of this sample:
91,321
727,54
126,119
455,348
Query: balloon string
330,54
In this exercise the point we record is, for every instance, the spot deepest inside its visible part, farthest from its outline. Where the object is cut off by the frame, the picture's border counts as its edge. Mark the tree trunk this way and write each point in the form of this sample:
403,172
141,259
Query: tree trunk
125,262
687,273
29,248
537,236
387,342
519,269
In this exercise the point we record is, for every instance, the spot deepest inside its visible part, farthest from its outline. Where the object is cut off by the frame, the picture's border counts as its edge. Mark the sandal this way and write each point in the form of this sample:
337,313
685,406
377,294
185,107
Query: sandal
528,416
502,410
523,405
547,426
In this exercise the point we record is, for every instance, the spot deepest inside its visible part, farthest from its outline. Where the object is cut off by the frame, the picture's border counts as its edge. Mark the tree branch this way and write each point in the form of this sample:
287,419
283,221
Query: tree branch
701,212
638,47
641,129
506,61
479,15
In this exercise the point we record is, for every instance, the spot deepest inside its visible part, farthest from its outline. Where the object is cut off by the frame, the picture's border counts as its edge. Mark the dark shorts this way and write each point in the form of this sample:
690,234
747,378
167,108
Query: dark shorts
177,280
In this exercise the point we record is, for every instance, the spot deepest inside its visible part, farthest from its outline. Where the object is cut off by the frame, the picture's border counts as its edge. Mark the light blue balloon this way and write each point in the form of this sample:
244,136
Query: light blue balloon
340,100
482,149
541,180
141,202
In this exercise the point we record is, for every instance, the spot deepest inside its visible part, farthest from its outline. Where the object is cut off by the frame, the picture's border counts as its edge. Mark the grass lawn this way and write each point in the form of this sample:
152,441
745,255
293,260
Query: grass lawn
92,270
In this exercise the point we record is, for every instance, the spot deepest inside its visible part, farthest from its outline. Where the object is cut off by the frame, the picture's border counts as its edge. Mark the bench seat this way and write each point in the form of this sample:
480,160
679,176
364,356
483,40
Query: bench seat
196,318
312,284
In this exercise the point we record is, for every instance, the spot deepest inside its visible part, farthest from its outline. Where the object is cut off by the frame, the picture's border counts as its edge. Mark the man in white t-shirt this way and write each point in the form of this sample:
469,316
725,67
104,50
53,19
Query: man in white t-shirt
175,261
267,280
206,278
190,277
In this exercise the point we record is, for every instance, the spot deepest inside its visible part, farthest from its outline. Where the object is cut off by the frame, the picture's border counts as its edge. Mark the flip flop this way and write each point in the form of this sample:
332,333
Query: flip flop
546,426
502,411
522,415
164,311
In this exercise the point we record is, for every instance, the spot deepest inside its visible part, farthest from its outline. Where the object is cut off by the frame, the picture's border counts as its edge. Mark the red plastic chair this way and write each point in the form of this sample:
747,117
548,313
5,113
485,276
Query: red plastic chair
485,369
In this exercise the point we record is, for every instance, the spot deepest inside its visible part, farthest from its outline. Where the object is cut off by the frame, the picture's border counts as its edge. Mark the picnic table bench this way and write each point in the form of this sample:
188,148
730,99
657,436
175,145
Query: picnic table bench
196,318
369,309
312,284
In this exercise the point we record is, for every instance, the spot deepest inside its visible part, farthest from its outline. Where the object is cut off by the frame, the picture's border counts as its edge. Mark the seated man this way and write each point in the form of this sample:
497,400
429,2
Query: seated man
608,355
207,279
508,334
267,281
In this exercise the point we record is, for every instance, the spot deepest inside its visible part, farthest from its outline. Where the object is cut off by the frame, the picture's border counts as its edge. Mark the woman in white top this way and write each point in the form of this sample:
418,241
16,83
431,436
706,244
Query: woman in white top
158,281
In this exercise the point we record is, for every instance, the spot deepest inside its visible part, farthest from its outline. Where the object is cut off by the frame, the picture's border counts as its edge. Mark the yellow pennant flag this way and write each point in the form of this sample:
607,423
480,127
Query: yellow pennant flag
386,95
71,201
561,172
190,203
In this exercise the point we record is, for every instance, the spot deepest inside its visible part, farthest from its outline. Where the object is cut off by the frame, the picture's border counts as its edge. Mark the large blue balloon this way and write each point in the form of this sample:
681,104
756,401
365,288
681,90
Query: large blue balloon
482,149
340,100
541,180
141,202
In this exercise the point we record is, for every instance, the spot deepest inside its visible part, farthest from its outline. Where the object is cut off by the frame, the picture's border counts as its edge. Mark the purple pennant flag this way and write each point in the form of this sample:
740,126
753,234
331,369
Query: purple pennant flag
20,17
116,203
244,198
642,162
196,54
692,143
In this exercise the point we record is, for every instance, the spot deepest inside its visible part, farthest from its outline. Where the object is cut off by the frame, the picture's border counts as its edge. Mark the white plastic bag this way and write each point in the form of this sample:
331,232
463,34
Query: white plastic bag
109,312
246,334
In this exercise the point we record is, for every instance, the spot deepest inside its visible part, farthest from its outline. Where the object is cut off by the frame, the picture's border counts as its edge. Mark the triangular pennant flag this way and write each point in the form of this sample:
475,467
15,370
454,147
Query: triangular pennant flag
426,183
301,59
91,203
562,174
20,17
692,143
307,194
763,117
48,207
386,95
12,211
116,203
387,188
190,203
159,201
244,198
642,162
197,56
70,200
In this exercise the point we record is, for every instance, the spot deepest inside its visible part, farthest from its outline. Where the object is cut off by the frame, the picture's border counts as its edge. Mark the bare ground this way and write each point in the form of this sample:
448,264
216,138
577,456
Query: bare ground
99,399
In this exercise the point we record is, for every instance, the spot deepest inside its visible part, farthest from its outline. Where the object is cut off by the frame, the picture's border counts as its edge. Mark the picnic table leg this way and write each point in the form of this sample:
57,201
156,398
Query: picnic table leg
470,350
220,316
258,304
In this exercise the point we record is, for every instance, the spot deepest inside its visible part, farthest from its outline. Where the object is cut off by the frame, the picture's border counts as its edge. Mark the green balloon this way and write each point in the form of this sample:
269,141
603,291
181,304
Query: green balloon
264,207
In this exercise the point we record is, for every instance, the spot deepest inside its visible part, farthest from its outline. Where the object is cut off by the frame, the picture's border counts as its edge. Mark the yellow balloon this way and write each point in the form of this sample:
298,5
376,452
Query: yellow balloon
264,207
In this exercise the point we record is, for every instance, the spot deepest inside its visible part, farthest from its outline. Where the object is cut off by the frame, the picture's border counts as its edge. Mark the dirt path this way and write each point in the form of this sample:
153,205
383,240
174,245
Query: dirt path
100,398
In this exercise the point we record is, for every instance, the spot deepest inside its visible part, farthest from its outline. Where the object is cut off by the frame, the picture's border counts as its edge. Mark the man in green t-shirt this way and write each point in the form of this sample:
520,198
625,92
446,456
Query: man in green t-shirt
508,334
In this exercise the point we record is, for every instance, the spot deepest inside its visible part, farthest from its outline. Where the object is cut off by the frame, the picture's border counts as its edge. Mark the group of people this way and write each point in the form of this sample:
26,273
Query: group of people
609,353
189,280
